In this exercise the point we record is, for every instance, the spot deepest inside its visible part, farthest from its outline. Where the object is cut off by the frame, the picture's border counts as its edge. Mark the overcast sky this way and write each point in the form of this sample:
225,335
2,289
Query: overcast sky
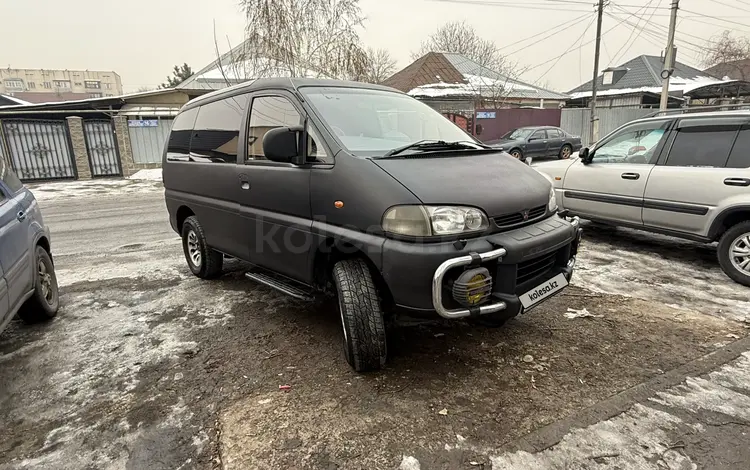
142,39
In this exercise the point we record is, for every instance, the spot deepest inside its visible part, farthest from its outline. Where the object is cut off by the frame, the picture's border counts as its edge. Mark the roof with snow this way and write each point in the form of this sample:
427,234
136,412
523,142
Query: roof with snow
455,76
7,100
735,69
243,63
643,75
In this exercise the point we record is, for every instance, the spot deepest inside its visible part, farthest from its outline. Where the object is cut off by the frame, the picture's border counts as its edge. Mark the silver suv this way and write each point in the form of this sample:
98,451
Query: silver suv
687,176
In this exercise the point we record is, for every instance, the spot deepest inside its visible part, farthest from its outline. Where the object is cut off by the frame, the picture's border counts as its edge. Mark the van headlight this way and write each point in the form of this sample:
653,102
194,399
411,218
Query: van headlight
425,221
552,205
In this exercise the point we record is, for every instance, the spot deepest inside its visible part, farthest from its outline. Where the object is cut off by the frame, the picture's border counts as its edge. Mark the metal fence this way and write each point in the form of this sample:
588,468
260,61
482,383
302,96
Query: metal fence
577,121
101,144
147,138
39,150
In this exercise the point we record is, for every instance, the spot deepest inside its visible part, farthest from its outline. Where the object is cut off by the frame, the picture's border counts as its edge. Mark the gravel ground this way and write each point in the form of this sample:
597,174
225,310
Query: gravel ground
149,367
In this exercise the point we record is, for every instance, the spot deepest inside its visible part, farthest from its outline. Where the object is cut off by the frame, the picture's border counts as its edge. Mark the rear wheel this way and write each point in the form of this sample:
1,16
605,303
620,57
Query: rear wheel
361,315
565,152
202,260
516,153
734,253
44,303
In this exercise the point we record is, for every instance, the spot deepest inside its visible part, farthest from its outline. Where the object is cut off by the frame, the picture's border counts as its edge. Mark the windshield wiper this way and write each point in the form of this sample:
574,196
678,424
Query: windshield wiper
430,145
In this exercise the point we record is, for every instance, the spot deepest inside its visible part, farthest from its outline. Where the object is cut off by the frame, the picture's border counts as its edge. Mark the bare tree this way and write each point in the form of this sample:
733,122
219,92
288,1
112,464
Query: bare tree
725,50
380,65
462,38
302,38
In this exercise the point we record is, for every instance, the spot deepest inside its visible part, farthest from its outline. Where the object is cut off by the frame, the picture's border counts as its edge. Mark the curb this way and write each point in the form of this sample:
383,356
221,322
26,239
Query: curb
551,434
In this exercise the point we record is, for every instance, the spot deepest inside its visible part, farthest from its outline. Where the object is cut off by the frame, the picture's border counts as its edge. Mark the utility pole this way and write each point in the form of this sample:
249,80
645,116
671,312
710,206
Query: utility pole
594,118
669,58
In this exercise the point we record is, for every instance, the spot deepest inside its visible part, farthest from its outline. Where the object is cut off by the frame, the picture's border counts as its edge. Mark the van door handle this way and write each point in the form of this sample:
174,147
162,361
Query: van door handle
737,181
245,185
21,216
630,176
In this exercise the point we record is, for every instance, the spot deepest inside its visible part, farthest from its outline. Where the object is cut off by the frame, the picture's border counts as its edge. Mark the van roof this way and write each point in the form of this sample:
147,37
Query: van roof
284,83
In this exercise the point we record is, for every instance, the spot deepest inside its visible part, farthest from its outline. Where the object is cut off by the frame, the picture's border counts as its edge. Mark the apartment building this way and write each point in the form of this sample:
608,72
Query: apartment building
44,85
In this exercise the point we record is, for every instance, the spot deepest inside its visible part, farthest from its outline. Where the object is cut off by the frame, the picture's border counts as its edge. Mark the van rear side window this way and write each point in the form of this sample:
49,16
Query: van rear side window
178,146
216,132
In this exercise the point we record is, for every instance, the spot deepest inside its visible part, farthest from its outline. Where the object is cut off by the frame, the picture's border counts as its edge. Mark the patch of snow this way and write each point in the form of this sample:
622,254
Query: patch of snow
149,175
92,188
409,463
684,85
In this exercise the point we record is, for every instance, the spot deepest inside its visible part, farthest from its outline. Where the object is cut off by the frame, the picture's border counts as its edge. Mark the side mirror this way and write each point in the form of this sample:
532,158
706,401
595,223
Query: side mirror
585,155
531,139
528,160
282,144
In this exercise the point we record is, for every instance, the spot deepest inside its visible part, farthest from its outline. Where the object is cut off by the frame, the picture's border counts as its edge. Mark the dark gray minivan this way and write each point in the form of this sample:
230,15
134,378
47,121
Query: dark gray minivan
363,192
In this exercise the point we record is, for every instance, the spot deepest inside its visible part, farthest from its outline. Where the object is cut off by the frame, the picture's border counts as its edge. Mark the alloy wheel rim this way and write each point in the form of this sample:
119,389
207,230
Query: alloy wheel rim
516,155
194,251
46,282
566,152
739,253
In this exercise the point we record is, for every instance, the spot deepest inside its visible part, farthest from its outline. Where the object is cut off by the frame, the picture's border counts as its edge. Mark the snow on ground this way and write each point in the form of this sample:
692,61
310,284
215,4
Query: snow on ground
148,175
95,188
648,266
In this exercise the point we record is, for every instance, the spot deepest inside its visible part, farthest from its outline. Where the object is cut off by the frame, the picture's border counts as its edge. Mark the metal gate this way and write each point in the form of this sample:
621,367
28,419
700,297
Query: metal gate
147,138
101,144
39,150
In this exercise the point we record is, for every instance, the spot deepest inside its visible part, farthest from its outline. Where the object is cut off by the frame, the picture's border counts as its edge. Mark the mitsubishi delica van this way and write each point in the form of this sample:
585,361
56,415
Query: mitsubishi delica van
361,192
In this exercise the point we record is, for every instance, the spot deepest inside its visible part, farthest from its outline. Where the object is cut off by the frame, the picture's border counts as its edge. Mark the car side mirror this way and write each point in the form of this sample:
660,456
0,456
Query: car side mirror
585,155
281,144
531,139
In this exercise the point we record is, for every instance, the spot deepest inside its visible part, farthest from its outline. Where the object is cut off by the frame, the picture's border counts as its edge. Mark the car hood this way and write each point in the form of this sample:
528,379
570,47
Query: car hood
495,182
506,142
557,167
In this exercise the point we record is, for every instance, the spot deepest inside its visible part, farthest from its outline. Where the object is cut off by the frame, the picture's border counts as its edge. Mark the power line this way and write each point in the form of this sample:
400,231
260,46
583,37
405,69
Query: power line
714,17
632,31
730,6
580,39
547,33
524,6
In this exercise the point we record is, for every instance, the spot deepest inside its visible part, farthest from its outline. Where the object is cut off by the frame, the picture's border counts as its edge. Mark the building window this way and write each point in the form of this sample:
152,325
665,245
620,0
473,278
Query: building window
93,84
78,83
608,77
32,85
95,95
61,83
14,84
108,86
47,85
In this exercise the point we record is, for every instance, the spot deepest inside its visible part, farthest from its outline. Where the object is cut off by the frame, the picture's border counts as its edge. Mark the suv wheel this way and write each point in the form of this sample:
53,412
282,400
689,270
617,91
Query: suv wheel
734,253
202,260
44,303
361,315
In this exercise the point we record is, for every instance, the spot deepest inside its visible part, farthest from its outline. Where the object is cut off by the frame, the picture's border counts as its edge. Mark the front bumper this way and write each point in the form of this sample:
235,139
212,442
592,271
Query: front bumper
518,260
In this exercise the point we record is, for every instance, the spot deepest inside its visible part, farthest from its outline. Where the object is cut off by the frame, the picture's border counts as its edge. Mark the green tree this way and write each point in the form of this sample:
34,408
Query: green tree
180,73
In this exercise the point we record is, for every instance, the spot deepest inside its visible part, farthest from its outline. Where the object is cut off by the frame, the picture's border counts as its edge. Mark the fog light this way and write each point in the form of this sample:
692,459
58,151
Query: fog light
473,287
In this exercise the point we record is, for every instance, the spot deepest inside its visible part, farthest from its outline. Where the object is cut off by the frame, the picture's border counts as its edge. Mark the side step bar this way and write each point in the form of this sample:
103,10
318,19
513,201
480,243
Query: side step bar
282,286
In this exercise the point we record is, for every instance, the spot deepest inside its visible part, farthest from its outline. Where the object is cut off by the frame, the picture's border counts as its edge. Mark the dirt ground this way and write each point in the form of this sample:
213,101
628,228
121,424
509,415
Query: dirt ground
147,366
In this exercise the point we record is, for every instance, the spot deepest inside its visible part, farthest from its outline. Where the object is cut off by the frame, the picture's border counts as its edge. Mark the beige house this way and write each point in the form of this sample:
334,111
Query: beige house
43,85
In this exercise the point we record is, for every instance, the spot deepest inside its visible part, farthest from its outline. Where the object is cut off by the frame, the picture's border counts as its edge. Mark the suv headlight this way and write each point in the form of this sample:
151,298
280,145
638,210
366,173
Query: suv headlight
425,221
552,205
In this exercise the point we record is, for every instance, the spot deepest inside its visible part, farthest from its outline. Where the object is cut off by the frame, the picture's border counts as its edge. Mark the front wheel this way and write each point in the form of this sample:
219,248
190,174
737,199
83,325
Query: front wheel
734,253
361,315
565,152
45,301
516,153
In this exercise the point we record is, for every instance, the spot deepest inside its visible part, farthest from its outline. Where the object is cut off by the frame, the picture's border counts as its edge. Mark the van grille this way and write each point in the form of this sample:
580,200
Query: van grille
535,267
509,220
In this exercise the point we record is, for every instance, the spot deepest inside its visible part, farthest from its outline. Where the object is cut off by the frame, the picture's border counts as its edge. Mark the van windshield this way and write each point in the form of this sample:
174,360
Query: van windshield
372,122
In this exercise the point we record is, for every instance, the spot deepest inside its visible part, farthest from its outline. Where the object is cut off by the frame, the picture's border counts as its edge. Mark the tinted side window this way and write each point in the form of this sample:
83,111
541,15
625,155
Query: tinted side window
268,112
740,156
9,178
216,134
707,145
554,134
178,146
539,135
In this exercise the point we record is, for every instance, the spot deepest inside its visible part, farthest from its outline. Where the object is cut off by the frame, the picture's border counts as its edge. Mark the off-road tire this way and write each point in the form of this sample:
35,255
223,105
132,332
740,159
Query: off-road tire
562,151
211,261
38,307
361,315
725,245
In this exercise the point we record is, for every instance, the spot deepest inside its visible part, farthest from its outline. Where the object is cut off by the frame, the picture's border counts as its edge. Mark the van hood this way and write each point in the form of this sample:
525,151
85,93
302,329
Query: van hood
497,183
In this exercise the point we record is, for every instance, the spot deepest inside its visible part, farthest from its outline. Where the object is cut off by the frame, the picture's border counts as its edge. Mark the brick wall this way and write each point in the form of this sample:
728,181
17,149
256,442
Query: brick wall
81,156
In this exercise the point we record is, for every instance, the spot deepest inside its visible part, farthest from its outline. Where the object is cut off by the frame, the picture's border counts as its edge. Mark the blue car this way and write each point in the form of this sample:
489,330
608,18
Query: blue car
28,285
